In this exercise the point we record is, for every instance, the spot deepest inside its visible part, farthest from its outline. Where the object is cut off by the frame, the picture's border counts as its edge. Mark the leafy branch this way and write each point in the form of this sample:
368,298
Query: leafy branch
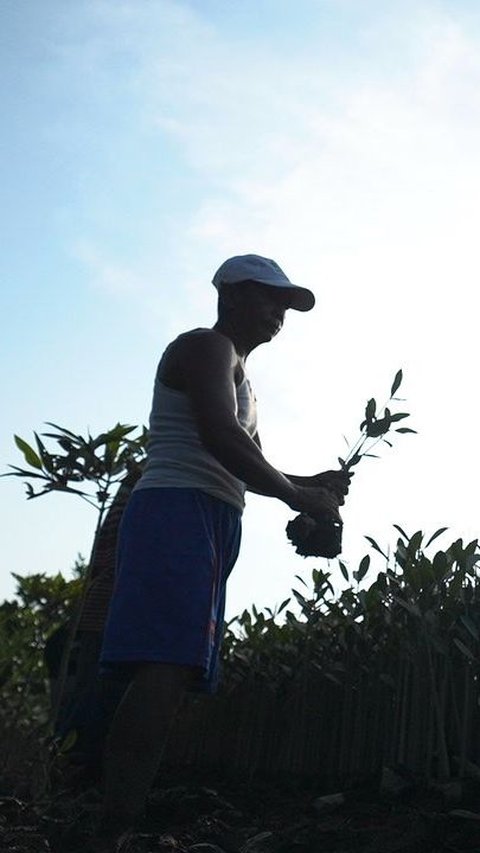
375,426
97,463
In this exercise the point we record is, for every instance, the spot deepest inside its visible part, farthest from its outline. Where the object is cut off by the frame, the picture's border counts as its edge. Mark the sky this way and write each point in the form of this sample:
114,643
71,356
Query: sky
145,141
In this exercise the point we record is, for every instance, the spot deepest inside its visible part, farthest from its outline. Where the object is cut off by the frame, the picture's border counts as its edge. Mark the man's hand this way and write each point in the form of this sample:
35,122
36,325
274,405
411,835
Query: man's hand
337,482
317,501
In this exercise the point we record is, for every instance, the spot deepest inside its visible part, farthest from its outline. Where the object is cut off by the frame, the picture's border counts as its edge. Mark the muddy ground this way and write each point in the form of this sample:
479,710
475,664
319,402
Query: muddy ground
215,815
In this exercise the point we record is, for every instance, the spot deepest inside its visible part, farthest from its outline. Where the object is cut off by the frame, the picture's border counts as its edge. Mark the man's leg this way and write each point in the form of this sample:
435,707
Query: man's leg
136,740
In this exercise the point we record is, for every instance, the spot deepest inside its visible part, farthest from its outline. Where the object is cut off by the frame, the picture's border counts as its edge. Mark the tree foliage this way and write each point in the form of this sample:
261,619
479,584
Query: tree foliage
97,464
41,605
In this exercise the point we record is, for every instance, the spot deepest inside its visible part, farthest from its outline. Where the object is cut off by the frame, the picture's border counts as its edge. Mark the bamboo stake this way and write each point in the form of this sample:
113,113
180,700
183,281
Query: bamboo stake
466,719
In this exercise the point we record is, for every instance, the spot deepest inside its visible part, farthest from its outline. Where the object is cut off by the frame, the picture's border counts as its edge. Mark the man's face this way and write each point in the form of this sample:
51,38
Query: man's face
262,308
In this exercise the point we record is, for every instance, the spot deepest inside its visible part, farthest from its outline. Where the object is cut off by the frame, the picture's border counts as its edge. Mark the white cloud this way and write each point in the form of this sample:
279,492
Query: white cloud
108,274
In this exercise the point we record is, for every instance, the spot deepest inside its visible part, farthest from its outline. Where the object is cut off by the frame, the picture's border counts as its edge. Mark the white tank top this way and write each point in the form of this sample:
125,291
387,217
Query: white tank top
176,456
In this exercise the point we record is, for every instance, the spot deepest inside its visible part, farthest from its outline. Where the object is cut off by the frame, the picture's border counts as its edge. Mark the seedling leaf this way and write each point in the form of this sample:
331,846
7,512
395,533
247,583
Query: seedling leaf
376,546
363,568
396,382
370,410
31,457
436,534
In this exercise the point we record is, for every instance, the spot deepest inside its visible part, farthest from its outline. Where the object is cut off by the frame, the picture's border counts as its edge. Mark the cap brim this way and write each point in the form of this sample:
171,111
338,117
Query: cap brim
302,298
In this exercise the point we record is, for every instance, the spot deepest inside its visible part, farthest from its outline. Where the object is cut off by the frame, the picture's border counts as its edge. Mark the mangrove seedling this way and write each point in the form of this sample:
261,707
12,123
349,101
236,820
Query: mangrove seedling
322,537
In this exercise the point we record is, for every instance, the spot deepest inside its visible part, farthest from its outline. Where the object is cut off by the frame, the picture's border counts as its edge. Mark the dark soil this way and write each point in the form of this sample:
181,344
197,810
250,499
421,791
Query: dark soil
187,815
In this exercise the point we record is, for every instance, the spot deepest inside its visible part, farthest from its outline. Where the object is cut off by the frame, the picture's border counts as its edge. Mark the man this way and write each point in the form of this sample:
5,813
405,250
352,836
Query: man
180,532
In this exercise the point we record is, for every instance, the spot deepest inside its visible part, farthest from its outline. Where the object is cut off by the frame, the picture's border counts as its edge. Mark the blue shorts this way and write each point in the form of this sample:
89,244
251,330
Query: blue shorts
176,548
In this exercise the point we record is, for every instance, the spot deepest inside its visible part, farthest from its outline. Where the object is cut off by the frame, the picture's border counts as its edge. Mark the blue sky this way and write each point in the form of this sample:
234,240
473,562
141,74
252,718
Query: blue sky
145,141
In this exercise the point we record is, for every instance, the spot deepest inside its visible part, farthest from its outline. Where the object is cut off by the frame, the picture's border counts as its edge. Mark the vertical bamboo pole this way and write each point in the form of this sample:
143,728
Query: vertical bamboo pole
464,743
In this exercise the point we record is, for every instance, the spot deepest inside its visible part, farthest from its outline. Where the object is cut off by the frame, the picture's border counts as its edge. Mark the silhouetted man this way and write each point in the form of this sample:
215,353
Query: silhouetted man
180,533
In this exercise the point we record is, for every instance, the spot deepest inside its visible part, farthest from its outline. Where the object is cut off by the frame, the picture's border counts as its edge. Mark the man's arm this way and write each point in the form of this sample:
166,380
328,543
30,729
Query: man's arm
337,481
207,363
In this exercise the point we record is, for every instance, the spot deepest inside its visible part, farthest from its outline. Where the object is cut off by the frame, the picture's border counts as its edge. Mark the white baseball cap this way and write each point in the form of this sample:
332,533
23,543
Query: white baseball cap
265,271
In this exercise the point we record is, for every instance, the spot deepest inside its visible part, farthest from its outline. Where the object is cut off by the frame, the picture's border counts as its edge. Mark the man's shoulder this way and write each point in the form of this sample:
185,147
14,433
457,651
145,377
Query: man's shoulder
196,353
203,340
201,333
